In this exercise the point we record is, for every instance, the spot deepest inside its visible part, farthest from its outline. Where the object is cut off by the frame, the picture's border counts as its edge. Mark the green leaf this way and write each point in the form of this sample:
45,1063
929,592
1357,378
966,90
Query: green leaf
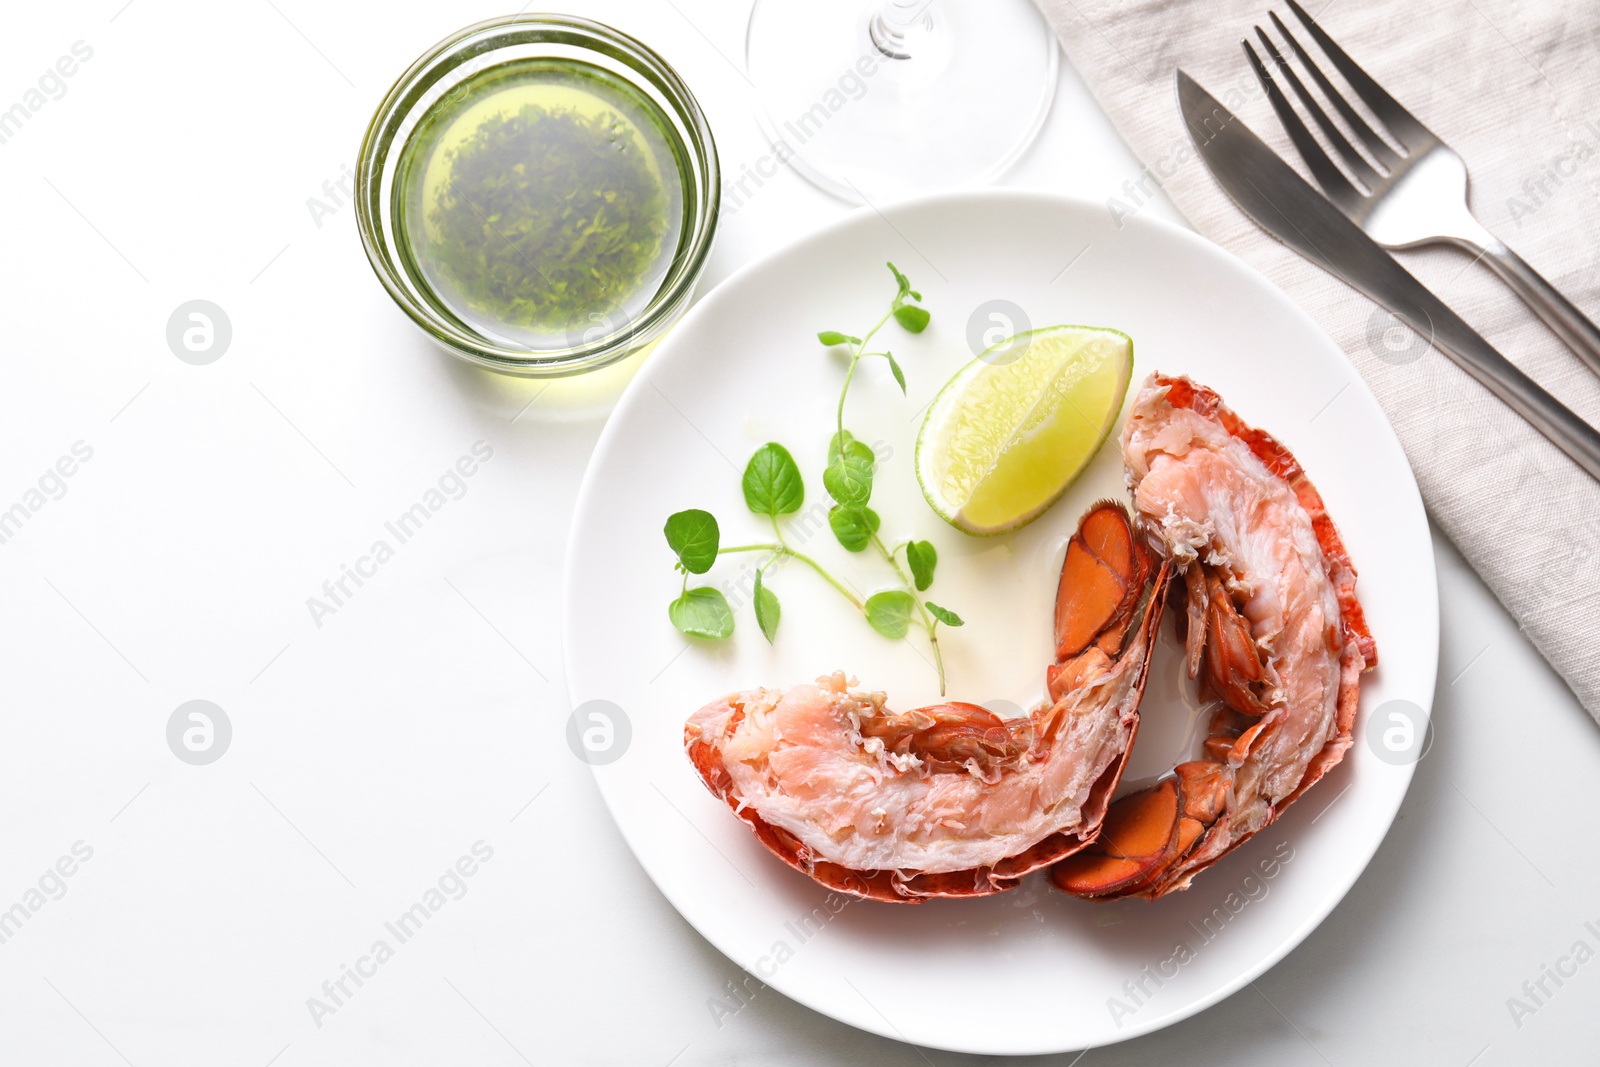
853,526
845,443
944,615
837,444
772,483
912,317
767,609
831,337
702,612
693,535
889,612
894,368
922,556
849,480
900,280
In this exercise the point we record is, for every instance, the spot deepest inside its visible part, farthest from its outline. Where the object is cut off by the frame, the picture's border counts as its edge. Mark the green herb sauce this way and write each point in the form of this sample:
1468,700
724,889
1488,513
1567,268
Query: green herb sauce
541,202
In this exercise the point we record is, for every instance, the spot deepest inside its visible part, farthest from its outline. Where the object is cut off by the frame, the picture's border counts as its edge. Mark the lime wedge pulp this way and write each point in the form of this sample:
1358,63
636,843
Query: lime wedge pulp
1007,435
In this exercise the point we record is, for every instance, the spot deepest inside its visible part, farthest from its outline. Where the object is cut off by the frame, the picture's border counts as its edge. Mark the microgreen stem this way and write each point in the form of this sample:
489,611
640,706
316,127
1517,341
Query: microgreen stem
814,565
782,550
830,579
857,353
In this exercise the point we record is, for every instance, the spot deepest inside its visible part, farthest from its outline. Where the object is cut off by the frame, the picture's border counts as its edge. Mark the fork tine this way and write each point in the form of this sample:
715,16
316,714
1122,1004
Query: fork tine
1358,165
1332,180
1411,134
1369,137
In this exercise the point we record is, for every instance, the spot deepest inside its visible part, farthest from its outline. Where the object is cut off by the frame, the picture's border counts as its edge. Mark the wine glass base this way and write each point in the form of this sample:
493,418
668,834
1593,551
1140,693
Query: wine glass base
951,102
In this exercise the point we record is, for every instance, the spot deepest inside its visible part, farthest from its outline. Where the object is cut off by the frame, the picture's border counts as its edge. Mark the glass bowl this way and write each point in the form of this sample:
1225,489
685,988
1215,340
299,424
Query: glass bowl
409,128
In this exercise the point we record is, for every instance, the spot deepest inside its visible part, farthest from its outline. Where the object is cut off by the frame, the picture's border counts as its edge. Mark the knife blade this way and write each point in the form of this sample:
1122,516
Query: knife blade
1281,202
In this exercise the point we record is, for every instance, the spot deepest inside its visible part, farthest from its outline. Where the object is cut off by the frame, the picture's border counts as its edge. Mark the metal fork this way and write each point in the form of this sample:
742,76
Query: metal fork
1412,196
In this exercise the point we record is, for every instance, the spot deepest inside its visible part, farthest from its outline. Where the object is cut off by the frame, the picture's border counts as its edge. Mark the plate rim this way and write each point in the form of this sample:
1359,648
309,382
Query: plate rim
1333,893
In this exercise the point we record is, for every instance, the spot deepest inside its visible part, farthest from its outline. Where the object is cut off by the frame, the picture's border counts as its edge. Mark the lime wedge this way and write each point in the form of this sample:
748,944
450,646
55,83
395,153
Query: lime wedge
1007,435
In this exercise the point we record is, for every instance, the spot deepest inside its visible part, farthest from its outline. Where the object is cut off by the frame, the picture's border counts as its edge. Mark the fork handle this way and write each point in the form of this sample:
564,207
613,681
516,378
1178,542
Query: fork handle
1559,313
1430,317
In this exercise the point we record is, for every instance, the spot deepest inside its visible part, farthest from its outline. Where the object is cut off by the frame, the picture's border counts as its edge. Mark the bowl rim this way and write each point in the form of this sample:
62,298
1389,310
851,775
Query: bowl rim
701,202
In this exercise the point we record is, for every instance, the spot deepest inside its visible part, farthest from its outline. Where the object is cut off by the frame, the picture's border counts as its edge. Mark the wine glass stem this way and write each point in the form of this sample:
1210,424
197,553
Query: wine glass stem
890,25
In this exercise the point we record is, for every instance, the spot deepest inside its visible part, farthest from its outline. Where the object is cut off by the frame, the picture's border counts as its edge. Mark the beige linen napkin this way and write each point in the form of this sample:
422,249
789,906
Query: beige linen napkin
1512,85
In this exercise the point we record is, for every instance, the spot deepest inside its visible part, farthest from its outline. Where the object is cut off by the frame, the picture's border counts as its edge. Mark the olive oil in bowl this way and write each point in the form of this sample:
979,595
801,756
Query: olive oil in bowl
541,203
538,193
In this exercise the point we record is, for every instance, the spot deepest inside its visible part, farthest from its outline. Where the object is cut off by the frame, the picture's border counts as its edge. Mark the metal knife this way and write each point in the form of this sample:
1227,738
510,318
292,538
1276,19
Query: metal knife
1286,206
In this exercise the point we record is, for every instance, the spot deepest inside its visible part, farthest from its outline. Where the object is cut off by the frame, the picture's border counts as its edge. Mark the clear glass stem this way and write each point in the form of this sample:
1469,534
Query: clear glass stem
890,28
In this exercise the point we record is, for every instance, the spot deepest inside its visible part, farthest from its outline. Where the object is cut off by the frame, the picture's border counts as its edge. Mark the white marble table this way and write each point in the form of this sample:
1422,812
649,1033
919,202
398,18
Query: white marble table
422,720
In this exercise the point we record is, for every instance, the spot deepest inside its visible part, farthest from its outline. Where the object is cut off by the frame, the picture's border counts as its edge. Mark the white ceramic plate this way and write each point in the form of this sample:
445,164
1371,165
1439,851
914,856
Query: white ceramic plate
1030,971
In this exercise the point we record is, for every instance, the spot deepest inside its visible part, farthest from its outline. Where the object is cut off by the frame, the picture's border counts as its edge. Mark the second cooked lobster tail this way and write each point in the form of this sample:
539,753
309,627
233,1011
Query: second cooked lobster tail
1271,627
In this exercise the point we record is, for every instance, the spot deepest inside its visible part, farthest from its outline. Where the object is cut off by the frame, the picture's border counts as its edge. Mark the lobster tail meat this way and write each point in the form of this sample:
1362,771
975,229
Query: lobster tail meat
949,800
1273,630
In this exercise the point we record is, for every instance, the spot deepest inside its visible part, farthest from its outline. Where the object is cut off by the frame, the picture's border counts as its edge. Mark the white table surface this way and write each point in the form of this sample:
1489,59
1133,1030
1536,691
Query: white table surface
427,713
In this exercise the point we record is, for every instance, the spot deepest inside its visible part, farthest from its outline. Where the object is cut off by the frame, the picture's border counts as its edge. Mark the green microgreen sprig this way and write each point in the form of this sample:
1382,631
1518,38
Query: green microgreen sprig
848,479
773,487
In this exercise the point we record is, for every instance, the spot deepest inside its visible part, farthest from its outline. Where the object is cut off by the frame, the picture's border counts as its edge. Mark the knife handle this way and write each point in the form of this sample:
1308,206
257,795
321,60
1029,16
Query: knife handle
1469,351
